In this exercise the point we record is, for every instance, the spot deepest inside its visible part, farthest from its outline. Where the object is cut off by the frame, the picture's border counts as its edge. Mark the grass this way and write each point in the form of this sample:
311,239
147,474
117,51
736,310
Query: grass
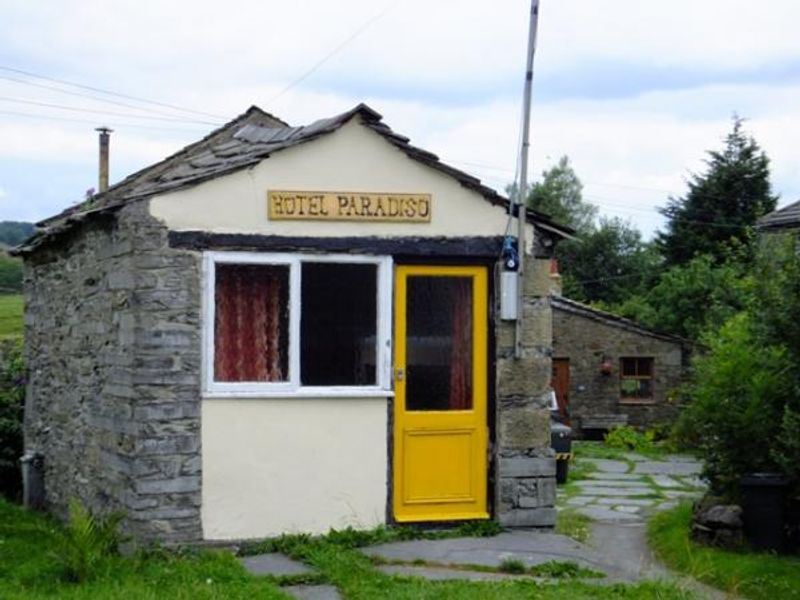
757,576
10,315
590,450
29,569
580,469
573,524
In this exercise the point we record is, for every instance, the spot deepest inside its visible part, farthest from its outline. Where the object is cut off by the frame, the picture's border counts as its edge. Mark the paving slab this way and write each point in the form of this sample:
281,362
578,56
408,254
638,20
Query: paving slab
627,501
627,508
607,515
672,494
665,481
613,483
312,592
274,564
593,490
634,457
695,482
610,466
667,468
529,547
615,476
443,573
581,500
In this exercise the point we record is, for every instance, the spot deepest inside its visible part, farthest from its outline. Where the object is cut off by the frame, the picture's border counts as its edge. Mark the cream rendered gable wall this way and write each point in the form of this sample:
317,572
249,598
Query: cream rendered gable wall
308,464
352,159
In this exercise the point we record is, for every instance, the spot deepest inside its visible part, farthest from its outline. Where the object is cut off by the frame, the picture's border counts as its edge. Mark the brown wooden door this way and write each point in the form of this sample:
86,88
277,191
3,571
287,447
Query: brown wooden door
560,385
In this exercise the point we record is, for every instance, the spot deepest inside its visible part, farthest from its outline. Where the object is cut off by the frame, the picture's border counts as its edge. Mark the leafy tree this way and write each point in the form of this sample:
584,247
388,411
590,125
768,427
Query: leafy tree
607,264
744,413
689,299
560,195
722,204
10,274
13,233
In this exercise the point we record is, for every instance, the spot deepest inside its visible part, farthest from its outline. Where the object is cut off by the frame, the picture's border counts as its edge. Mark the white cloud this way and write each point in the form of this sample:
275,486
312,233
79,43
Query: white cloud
447,73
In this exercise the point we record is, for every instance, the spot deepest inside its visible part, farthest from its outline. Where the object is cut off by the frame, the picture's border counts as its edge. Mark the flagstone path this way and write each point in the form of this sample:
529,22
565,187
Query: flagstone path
618,497
627,491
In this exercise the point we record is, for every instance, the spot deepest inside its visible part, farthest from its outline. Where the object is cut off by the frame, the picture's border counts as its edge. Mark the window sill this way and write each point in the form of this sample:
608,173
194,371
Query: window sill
637,401
303,393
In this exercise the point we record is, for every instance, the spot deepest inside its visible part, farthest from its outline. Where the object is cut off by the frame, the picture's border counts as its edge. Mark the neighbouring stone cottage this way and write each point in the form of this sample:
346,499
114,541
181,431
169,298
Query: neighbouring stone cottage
785,220
289,329
608,370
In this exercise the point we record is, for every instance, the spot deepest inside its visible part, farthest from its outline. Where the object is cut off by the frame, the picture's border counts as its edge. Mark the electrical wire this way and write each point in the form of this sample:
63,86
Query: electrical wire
110,92
96,98
100,112
364,26
87,121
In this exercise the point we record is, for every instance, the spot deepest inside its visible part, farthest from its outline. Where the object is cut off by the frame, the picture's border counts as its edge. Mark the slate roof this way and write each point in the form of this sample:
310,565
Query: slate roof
243,142
584,310
787,217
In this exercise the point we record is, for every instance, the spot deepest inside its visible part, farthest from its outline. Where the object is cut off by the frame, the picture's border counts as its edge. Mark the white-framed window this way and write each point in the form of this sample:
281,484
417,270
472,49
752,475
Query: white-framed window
296,324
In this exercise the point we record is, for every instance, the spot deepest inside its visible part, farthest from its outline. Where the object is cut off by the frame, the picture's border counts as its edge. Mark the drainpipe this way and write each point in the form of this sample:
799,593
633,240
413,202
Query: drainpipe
103,172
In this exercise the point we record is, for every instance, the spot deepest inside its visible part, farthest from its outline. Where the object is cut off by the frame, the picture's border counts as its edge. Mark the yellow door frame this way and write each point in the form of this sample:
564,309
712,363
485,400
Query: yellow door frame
432,446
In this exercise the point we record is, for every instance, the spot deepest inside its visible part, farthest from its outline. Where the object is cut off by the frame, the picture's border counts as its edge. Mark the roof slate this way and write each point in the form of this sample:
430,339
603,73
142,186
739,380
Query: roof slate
571,306
245,141
787,217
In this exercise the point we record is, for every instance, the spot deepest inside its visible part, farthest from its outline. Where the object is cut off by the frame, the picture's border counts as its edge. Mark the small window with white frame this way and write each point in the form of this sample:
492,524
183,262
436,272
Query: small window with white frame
296,324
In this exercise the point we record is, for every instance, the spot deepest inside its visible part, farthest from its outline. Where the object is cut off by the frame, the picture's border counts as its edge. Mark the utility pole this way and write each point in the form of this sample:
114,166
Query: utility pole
522,190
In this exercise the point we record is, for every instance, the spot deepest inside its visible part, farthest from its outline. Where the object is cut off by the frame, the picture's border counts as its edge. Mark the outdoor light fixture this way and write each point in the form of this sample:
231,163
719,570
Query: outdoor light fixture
606,366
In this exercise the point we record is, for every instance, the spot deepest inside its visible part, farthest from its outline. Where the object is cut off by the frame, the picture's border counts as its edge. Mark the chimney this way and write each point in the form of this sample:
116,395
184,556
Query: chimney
103,176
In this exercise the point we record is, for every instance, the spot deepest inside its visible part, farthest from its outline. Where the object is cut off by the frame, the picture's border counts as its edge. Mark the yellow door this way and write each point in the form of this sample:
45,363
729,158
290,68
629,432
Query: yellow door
440,426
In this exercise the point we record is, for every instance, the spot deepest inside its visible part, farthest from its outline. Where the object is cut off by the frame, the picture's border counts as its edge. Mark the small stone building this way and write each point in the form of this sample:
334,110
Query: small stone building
783,220
284,329
608,370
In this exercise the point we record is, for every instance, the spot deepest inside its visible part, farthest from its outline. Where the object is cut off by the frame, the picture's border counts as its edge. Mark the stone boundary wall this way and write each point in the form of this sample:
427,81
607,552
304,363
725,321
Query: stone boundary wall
112,340
525,463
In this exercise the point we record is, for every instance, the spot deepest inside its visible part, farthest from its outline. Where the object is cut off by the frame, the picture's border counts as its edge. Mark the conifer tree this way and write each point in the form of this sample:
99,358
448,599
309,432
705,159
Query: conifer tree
722,204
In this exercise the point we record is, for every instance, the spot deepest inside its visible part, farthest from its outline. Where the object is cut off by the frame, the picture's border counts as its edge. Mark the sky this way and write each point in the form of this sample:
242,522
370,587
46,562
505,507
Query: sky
635,93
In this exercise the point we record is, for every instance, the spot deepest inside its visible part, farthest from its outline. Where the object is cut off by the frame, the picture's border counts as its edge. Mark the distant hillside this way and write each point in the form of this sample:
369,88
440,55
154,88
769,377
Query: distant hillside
13,233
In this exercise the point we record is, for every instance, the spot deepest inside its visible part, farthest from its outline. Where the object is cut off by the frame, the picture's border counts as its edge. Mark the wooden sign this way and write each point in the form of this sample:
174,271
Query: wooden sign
348,206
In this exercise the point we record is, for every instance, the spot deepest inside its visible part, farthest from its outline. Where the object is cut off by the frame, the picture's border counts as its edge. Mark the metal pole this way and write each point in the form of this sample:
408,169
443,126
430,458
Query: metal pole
522,191
102,184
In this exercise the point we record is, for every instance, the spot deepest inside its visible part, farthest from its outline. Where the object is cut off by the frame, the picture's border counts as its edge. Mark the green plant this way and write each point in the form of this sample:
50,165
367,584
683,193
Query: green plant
739,395
758,576
87,541
580,469
513,566
558,569
487,528
12,399
625,437
573,524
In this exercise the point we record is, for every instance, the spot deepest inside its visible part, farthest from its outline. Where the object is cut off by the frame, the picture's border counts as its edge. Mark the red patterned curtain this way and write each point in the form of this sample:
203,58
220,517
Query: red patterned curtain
249,323
461,353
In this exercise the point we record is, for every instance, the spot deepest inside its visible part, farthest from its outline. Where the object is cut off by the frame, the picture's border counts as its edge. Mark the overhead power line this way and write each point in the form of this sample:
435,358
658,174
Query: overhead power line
96,98
338,48
110,92
87,121
101,112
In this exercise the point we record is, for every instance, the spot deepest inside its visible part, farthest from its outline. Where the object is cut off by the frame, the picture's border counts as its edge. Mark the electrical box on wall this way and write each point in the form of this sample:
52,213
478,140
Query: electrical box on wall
509,301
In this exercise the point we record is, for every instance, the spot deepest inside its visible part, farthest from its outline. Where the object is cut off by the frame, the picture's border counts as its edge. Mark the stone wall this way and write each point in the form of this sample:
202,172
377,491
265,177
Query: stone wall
112,341
525,464
593,396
